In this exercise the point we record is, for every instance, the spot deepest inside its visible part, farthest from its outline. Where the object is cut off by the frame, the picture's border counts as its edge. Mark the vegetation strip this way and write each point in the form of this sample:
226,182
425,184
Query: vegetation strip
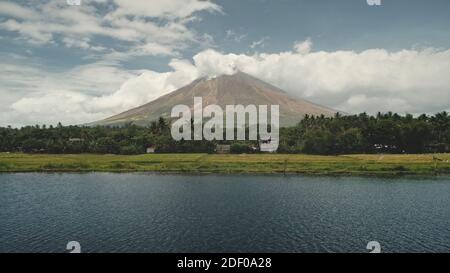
422,164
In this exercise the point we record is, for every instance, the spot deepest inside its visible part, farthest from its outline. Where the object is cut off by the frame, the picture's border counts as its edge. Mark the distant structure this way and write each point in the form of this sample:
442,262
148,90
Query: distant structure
382,148
151,149
75,140
223,149
268,146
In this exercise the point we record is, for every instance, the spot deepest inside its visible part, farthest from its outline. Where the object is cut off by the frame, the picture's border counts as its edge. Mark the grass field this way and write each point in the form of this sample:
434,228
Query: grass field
213,163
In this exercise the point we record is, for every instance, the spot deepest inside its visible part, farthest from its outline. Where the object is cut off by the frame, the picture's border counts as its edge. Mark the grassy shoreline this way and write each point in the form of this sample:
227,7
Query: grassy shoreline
365,165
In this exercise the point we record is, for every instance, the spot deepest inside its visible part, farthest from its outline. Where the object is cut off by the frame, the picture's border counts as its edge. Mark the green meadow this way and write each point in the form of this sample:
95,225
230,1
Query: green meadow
423,164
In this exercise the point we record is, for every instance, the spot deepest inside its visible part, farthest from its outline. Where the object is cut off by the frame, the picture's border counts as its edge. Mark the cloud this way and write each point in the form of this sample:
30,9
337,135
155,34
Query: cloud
145,88
363,103
31,94
16,11
303,47
235,37
138,27
260,43
49,106
405,81
171,9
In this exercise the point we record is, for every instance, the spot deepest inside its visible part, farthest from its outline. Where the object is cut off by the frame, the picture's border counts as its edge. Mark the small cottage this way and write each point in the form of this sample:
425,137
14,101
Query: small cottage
151,149
268,145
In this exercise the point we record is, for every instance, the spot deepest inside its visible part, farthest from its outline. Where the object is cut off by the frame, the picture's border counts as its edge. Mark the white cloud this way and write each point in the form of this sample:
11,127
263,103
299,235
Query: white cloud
303,47
50,107
152,49
260,43
172,9
14,10
31,94
233,36
363,103
145,88
148,27
71,42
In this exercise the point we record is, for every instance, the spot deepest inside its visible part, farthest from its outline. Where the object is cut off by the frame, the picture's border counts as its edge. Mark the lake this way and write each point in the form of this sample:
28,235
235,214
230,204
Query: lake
143,212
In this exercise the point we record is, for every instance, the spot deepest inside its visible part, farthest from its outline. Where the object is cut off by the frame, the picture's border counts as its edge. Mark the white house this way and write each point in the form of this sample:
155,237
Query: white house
151,149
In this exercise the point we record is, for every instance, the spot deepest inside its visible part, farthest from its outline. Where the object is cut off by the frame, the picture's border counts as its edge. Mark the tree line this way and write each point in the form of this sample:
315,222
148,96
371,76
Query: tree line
383,133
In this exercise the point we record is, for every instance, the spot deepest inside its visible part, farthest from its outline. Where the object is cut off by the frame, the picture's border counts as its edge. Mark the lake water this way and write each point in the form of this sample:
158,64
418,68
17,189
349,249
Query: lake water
230,213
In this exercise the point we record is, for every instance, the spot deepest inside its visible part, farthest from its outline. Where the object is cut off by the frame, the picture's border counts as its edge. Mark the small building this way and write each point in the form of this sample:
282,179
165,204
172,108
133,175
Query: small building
384,148
75,140
268,145
223,149
151,149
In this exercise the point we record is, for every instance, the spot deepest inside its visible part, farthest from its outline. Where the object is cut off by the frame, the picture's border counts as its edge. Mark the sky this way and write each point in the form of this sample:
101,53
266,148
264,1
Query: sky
80,63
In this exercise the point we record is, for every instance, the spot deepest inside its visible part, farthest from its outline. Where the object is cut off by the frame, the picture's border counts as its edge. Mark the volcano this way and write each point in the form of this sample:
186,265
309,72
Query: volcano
239,88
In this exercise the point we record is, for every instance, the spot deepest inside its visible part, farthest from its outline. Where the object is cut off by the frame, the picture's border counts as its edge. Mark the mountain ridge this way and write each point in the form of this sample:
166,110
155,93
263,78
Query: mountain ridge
239,88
